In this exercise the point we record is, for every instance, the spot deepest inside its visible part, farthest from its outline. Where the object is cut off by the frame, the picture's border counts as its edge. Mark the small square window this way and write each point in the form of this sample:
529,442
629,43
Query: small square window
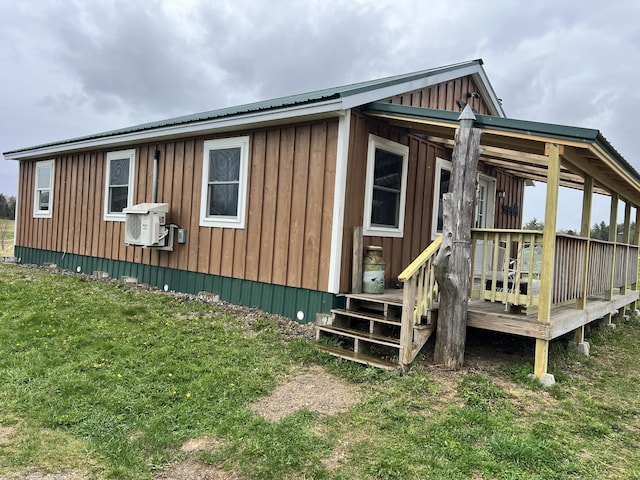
42,204
386,188
120,176
224,182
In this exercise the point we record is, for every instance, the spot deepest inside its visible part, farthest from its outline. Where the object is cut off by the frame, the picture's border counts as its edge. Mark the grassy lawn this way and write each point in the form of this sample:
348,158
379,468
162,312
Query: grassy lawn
109,382
6,237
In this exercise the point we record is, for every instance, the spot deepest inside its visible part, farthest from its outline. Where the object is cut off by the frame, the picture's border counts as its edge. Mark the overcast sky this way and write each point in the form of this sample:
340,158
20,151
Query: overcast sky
71,68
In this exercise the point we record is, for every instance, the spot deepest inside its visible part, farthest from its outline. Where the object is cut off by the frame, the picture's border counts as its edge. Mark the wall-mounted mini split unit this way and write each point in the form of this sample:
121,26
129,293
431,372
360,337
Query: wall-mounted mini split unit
145,226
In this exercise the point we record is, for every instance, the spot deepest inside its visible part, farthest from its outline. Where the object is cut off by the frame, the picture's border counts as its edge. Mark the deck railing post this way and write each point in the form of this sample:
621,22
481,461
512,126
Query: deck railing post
585,231
553,152
636,241
626,234
406,326
613,236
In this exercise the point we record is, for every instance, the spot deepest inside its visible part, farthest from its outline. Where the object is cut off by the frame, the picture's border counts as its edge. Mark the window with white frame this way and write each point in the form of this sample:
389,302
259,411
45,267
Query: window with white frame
485,198
225,171
386,188
119,183
42,203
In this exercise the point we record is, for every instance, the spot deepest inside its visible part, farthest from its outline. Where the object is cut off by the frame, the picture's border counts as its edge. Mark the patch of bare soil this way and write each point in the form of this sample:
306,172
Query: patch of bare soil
6,433
315,390
203,444
194,469
342,449
33,474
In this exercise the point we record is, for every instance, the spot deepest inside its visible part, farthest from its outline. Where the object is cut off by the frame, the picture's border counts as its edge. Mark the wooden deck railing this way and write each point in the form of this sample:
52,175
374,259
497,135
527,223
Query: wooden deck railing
516,255
568,272
419,277
506,266
599,277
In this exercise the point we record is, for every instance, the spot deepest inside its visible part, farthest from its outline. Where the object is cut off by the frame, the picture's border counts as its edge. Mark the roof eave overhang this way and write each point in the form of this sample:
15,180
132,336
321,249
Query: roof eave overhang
475,70
315,111
585,143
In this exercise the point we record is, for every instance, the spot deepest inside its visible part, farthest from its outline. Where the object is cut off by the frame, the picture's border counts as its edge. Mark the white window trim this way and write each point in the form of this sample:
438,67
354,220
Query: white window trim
223,221
119,216
43,213
398,149
491,199
442,164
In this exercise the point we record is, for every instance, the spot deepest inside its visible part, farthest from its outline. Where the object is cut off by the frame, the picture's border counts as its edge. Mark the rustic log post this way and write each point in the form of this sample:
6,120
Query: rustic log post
452,264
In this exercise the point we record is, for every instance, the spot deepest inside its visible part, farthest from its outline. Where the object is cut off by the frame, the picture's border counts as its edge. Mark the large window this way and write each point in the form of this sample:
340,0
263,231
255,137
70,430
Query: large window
224,182
42,203
485,198
386,188
119,185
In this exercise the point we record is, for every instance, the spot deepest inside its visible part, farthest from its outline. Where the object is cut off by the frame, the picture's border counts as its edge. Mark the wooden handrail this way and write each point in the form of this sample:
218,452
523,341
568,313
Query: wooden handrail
420,260
419,296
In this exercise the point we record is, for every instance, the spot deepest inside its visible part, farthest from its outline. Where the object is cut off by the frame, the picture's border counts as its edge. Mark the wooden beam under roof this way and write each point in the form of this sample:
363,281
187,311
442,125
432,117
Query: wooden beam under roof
526,169
582,154
594,168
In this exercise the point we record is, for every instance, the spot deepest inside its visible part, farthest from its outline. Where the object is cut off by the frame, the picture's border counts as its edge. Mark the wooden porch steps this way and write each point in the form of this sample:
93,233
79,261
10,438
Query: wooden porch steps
368,331
358,357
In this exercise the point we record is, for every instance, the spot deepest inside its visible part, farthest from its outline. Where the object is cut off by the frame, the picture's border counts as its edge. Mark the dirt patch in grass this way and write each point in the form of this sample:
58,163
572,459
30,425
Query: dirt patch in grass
38,475
194,445
314,390
6,433
194,469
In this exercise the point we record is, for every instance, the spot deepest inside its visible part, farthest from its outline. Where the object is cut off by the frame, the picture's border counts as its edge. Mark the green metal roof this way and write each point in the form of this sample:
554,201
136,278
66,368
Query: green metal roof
267,105
550,130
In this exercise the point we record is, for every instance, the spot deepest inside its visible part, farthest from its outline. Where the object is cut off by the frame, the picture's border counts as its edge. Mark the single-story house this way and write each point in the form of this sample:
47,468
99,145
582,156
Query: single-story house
259,203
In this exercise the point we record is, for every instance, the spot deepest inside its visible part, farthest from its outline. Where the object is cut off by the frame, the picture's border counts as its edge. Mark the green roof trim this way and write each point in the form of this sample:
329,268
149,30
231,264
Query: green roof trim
559,132
301,99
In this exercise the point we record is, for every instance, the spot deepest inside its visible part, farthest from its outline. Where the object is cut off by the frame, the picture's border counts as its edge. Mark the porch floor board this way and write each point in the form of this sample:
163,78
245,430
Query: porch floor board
492,316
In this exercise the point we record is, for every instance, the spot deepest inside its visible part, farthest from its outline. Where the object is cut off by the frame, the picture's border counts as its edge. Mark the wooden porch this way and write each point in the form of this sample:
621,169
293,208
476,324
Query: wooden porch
538,284
388,330
492,316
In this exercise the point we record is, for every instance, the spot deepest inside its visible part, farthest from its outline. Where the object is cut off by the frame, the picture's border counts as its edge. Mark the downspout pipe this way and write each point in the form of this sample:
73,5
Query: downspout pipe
154,191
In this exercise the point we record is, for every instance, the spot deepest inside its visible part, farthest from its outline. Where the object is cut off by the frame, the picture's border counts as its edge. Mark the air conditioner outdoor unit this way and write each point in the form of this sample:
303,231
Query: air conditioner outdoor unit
145,224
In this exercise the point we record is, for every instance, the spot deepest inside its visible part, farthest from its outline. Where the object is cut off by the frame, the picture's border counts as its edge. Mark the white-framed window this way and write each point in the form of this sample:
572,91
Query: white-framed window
225,170
386,188
118,188
485,198
43,188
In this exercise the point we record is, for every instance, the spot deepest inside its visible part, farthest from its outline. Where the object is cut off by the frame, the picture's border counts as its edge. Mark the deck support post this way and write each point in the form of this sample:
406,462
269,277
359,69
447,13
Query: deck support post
626,235
636,241
585,231
613,236
553,152
452,265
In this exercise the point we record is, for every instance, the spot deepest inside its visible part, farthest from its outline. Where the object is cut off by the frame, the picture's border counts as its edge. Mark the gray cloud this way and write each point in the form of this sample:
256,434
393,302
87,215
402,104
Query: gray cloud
72,68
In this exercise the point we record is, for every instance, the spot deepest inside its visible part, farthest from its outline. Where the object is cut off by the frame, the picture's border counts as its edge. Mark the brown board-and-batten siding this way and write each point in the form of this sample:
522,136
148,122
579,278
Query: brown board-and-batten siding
508,207
290,196
444,96
397,252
